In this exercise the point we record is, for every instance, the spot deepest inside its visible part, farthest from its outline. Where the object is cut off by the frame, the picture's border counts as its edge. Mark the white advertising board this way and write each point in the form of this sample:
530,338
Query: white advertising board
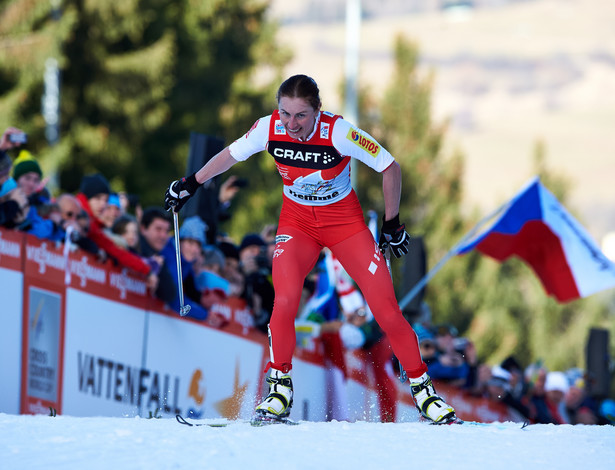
103,355
310,391
217,374
10,339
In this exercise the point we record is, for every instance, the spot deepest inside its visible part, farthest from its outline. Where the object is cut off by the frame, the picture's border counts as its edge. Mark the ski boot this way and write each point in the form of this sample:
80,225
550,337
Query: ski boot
429,404
276,406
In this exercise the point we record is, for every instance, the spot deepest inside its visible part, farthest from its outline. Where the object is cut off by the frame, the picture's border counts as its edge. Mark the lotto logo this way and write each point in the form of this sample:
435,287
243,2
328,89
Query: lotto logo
366,144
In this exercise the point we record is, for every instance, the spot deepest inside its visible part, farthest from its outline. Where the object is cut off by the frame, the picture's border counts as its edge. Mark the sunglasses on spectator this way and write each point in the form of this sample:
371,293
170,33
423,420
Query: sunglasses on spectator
428,345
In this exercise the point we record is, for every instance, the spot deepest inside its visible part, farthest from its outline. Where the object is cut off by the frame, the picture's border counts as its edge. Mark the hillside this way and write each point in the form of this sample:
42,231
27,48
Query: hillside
507,75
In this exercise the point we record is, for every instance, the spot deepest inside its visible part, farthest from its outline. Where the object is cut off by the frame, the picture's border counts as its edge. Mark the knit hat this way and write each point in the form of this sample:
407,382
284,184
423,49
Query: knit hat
607,410
5,163
193,228
229,250
25,163
556,381
114,200
423,333
251,239
93,185
206,280
500,377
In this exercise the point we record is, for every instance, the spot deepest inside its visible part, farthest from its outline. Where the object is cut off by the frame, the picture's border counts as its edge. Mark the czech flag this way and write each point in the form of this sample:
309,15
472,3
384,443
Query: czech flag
538,229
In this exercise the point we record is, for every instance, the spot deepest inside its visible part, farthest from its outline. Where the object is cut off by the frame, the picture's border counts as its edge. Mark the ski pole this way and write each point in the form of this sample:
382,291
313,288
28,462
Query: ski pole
183,309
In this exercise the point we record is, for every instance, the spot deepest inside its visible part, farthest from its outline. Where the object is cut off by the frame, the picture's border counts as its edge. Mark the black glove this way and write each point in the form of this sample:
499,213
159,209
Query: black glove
179,192
394,234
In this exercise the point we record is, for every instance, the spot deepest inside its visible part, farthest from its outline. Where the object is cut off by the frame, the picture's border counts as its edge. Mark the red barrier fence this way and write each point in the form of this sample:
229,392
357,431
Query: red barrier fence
85,338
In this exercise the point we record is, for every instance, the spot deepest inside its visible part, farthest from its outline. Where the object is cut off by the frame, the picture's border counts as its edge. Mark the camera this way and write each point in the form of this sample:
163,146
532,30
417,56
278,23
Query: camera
262,260
460,344
18,138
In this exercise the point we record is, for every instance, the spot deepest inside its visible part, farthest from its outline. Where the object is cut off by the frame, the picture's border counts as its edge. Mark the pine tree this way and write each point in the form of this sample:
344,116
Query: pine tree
136,78
502,307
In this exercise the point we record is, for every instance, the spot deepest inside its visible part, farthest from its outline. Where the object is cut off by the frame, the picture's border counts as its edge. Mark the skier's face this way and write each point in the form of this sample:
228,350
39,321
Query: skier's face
297,116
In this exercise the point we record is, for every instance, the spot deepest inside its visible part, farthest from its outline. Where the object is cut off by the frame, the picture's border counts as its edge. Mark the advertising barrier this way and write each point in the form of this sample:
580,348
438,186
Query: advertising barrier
86,339
11,279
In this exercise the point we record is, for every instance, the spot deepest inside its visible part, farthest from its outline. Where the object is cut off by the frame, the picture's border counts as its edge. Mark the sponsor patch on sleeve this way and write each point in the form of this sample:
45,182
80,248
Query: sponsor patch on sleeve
324,130
366,144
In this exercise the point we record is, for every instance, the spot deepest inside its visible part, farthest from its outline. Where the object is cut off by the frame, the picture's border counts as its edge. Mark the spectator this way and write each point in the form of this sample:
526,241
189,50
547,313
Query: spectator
227,192
454,358
213,287
556,387
231,270
483,375
16,211
10,208
127,228
212,260
93,197
579,407
518,386
539,410
108,216
111,211
498,385
258,289
72,215
427,343
130,204
192,239
9,141
607,411
154,229
27,173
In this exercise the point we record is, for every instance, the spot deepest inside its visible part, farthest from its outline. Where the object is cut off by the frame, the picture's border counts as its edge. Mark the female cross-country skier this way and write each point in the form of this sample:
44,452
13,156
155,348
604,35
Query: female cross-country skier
312,151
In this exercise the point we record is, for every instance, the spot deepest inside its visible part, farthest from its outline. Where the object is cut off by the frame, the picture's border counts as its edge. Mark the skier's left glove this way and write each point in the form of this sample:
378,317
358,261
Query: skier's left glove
179,192
393,234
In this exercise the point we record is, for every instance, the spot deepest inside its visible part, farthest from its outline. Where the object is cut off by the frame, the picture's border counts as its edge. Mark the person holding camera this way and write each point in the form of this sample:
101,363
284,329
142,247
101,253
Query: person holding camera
256,267
312,151
11,208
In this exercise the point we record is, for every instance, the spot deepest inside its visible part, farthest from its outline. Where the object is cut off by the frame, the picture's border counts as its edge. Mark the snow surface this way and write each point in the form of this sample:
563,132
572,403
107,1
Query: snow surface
63,442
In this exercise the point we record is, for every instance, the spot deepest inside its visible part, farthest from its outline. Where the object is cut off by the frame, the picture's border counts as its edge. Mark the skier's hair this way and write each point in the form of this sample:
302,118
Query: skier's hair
300,86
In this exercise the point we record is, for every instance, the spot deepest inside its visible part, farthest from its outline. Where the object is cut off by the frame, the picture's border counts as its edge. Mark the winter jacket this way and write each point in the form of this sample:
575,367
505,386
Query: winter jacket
123,257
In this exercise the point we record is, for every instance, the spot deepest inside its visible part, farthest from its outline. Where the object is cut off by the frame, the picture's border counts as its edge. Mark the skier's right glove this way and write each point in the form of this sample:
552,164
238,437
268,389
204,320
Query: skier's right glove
393,234
179,192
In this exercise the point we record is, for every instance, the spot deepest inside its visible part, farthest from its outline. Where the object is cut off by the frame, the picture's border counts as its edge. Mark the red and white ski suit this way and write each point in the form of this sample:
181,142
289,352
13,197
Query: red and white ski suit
320,209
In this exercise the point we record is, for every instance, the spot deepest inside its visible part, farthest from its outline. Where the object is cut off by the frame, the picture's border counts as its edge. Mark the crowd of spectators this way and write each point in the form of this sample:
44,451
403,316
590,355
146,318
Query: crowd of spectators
532,393
114,226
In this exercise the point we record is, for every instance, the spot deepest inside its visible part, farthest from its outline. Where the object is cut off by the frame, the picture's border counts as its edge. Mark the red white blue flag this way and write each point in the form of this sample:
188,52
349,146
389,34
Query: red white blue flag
538,229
